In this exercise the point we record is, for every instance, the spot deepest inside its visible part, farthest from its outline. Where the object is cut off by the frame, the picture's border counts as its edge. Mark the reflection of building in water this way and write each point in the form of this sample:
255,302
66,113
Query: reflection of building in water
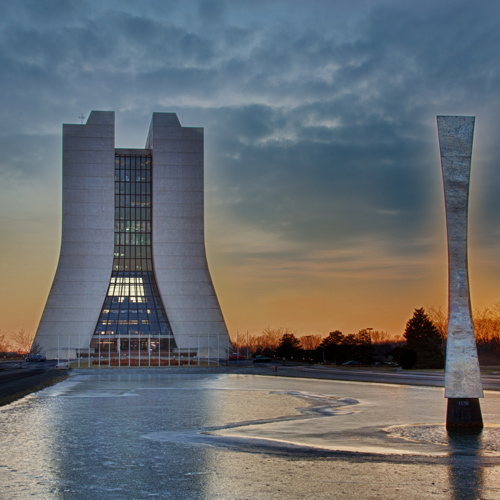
132,273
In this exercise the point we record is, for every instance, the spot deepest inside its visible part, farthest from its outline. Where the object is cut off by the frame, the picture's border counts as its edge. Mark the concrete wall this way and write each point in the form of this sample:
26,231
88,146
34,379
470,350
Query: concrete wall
179,254
86,257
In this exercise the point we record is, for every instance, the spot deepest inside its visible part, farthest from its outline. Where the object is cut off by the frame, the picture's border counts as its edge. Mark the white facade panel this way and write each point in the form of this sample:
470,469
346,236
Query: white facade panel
174,235
176,249
195,314
86,170
188,289
85,248
89,221
90,183
180,172
193,302
177,197
181,262
86,196
180,223
178,210
84,262
96,130
179,185
183,275
81,155
77,314
202,328
75,143
173,159
181,146
96,235
95,209
91,275
86,288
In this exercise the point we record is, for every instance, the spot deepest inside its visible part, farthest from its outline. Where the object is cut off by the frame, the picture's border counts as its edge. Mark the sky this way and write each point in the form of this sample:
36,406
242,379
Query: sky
324,203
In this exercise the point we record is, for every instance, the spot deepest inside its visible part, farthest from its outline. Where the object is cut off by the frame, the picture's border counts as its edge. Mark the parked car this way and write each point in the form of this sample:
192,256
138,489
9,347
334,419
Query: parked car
35,357
236,357
351,363
261,359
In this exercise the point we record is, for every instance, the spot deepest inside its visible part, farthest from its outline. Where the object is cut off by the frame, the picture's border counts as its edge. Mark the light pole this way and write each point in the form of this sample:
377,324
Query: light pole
369,330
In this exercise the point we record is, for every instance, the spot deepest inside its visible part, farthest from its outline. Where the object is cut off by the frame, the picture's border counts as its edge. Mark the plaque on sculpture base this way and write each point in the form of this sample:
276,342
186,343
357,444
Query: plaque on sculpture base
464,415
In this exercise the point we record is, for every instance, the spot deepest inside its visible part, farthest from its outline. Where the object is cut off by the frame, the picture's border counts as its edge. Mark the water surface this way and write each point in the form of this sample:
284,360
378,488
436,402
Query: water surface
134,435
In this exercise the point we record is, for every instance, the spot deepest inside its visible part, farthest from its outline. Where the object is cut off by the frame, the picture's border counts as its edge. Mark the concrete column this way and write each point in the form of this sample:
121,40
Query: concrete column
180,262
86,255
462,378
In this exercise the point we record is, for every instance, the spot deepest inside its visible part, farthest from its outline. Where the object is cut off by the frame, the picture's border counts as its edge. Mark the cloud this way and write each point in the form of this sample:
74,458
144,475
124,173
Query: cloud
319,117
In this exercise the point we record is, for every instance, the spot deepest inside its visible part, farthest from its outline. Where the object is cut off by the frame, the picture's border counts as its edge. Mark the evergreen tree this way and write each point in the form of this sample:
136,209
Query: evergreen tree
364,351
423,337
331,346
289,346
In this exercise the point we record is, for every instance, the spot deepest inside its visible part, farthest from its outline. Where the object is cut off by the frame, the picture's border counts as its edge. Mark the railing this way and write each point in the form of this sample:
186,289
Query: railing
103,353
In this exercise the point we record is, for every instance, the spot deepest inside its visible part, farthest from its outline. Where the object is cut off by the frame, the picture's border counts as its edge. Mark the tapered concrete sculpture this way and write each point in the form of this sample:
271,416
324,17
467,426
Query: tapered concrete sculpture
462,379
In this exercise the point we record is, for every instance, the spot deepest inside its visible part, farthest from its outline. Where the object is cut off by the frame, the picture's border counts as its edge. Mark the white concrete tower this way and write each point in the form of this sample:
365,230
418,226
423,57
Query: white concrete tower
132,280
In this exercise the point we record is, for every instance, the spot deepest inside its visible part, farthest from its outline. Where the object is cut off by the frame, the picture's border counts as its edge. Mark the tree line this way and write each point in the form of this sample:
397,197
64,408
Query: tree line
283,343
422,345
19,341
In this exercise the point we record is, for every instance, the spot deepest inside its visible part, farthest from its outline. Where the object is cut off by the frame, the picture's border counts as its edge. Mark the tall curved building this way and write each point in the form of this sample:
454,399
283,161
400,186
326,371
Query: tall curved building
132,276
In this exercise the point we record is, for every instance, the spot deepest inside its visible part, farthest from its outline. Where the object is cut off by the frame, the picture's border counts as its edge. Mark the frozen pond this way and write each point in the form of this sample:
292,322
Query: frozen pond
144,435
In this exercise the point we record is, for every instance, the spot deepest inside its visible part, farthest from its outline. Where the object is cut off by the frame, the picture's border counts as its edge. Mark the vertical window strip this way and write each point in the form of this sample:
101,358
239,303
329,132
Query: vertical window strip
133,299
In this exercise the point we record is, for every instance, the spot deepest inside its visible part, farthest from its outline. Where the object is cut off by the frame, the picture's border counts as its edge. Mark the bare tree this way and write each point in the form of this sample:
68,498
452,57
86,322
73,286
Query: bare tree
253,343
240,342
22,340
268,340
495,309
440,319
36,348
380,337
271,337
4,342
310,342
487,324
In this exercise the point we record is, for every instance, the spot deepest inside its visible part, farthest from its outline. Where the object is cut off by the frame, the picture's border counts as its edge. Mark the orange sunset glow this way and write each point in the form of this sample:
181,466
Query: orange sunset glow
324,202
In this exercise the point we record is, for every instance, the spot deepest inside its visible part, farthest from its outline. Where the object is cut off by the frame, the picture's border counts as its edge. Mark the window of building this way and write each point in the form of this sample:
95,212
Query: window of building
133,305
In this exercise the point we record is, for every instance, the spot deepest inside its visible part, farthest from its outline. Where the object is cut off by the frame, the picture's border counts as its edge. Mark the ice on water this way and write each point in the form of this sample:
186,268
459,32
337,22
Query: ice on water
142,435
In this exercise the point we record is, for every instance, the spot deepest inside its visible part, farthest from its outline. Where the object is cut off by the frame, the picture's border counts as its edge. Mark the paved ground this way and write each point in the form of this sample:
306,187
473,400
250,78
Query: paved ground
16,382
377,375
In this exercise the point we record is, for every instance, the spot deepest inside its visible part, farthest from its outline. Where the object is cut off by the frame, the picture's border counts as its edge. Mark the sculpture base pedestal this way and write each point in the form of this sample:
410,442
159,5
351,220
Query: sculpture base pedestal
464,415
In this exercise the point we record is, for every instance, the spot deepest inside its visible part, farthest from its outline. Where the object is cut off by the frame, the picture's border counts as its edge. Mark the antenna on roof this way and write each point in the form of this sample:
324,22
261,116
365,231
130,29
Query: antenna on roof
81,117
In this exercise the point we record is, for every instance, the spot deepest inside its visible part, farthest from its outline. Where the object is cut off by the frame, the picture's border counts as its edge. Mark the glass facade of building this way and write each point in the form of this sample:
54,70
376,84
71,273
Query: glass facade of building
133,317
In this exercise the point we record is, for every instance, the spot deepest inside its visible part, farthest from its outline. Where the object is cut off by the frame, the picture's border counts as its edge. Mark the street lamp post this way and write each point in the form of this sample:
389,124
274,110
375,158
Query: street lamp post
369,330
